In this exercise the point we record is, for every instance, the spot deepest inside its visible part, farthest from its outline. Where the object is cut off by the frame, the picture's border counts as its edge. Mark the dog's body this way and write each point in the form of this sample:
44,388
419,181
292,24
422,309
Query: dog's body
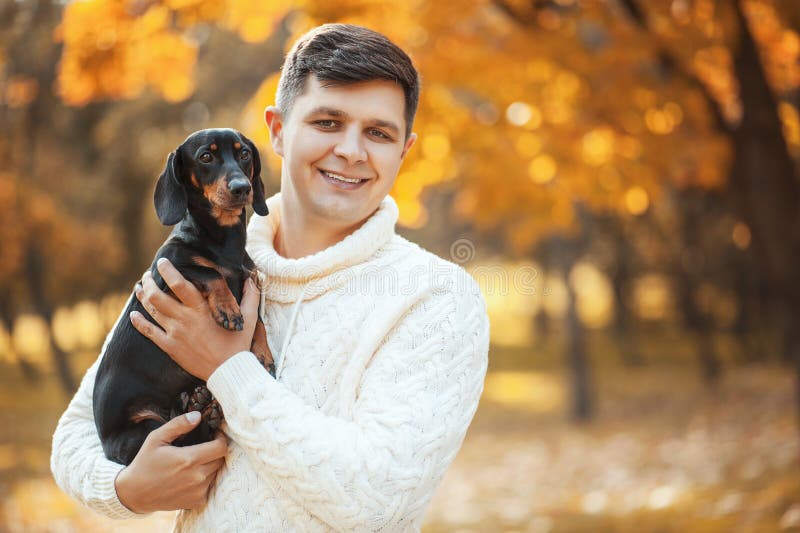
206,184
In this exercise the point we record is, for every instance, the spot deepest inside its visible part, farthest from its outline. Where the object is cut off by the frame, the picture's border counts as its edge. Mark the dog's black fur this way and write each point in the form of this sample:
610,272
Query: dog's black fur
205,186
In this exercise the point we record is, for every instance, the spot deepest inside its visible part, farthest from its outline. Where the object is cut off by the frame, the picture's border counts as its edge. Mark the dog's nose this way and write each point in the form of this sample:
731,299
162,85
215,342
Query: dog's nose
239,187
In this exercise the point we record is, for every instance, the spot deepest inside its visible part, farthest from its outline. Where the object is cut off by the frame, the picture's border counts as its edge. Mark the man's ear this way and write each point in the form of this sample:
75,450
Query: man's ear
409,143
170,196
274,120
259,198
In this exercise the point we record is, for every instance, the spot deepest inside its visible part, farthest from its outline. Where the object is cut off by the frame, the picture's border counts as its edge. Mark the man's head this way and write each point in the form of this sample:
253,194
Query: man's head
341,54
342,125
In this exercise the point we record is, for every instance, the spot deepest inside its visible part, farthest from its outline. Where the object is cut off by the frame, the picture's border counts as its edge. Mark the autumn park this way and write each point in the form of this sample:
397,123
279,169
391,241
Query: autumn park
621,178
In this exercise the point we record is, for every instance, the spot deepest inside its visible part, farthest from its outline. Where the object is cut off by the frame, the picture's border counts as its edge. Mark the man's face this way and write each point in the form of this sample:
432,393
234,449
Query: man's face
341,147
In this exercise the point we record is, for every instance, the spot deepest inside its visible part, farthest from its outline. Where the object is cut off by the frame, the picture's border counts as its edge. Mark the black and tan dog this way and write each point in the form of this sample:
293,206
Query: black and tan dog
204,189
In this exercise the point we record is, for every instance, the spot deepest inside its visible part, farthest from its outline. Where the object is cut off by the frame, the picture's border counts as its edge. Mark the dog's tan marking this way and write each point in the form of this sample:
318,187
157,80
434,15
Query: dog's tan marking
227,217
202,261
194,181
237,145
212,192
213,146
146,414
216,194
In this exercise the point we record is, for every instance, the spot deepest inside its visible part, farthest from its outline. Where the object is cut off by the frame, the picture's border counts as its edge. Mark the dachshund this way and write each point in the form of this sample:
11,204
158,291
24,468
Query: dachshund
204,189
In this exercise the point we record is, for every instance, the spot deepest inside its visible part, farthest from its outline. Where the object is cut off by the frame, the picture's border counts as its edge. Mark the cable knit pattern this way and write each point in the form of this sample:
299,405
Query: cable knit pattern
384,365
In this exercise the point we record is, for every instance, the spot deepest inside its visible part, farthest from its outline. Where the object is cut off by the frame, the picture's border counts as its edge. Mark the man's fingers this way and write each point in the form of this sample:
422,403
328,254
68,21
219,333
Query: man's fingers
149,330
210,469
183,289
180,425
157,302
250,301
209,451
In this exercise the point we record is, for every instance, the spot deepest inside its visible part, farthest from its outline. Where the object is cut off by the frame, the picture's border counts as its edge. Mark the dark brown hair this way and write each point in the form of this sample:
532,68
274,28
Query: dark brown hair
342,54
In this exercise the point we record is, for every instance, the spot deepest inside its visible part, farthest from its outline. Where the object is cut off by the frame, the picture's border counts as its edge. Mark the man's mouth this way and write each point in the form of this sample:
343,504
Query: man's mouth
342,179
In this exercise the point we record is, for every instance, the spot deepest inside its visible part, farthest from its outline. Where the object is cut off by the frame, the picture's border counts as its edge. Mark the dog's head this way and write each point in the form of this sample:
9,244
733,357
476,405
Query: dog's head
216,169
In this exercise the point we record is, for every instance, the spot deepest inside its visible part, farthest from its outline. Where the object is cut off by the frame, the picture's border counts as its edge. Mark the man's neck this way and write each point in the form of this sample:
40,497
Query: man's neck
299,236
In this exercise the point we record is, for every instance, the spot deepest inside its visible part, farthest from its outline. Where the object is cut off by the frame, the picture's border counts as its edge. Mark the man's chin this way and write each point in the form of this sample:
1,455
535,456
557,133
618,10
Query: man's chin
341,213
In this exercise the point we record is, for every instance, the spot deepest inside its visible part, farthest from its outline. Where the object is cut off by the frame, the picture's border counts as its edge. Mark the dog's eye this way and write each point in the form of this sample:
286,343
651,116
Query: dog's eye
244,154
206,157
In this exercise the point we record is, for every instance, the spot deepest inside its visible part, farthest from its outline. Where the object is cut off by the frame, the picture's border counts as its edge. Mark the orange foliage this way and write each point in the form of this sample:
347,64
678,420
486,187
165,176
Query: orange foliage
111,52
530,109
32,216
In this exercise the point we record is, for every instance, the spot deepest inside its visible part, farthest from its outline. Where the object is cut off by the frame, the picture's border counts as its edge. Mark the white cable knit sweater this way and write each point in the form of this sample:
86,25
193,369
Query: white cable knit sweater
381,351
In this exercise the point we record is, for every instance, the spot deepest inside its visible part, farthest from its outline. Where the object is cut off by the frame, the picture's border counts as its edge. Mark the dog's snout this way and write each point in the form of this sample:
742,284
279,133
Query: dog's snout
239,187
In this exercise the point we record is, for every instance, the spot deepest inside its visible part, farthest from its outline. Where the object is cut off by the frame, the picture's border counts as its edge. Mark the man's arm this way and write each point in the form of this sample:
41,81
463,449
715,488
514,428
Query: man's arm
161,477
377,468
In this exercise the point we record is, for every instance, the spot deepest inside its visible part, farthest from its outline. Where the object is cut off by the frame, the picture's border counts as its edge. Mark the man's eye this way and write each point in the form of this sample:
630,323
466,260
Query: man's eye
379,133
326,124
206,157
244,154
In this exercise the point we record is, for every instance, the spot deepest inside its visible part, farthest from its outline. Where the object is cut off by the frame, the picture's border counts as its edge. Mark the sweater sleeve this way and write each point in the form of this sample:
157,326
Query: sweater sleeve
377,469
77,460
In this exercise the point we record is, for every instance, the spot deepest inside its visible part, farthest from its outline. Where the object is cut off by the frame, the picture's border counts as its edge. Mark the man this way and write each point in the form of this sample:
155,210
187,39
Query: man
380,347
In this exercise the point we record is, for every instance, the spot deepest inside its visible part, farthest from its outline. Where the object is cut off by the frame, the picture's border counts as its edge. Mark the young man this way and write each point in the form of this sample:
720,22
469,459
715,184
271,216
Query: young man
380,347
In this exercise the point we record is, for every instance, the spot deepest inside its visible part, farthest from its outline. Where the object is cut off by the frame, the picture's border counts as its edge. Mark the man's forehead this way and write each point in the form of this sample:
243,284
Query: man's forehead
380,100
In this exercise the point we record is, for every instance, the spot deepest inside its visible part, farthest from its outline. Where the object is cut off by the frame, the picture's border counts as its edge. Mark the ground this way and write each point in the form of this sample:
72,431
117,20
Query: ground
663,453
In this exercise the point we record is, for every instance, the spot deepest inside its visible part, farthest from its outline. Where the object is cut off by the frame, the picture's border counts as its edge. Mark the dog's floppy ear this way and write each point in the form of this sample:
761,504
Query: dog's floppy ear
170,196
259,197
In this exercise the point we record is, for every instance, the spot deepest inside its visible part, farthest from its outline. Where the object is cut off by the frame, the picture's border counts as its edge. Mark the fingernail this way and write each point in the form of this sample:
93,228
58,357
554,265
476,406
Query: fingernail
193,416
161,260
133,314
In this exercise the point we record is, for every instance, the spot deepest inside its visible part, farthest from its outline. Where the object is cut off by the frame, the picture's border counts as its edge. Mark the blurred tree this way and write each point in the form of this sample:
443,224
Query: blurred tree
38,233
535,106
752,93
77,179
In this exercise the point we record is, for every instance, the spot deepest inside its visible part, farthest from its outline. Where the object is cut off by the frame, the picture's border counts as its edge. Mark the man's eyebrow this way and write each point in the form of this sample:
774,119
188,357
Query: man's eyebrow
333,112
386,124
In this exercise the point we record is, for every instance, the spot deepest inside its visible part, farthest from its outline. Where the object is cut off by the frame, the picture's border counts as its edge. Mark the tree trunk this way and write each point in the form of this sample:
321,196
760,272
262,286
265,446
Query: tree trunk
34,276
578,361
7,314
769,194
693,205
565,253
620,277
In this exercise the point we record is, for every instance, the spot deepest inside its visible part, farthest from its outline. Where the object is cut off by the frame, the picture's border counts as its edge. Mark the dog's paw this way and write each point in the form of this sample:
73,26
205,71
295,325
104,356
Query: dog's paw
213,416
199,399
266,363
228,318
225,309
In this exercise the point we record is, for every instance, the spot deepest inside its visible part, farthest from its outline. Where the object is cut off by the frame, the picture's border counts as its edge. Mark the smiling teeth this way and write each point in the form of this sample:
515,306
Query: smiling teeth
342,178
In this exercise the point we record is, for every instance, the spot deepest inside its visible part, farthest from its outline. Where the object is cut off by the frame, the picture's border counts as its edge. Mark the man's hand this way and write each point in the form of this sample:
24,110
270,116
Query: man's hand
163,477
188,333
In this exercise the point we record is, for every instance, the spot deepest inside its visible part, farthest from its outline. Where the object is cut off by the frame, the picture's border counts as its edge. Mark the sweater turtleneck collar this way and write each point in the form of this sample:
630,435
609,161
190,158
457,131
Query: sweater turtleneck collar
312,275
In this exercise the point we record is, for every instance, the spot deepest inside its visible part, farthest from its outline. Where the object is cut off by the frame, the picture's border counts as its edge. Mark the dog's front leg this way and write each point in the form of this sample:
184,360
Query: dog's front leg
224,307
261,349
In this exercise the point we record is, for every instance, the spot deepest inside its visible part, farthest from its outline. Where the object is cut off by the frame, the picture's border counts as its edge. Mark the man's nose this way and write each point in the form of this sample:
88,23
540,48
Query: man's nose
350,146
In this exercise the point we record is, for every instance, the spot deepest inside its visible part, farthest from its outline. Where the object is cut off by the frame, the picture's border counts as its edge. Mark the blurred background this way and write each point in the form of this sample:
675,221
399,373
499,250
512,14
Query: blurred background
620,176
